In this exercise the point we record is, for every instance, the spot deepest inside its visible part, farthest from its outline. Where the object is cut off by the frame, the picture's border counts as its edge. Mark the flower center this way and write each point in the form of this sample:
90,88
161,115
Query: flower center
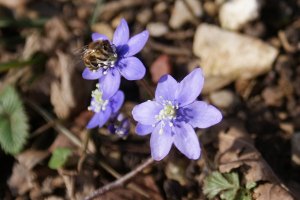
97,103
167,114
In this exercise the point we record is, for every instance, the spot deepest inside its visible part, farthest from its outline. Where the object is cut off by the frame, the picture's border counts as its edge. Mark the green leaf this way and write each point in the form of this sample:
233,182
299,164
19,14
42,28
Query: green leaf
13,121
59,157
250,185
226,185
244,194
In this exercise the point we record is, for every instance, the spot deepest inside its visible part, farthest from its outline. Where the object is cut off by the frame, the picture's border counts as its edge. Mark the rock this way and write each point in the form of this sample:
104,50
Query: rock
160,7
181,14
227,56
234,14
104,29
273,96
157,29
211,8
144,16
223,98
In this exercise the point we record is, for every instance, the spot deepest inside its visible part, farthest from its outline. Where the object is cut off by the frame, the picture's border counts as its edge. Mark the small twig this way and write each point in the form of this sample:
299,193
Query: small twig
69,183
121,181
84,151
180,35
78,143
209,164
146,86
195,19
96,12
285,43
42,129
112,8
60,128
176,51
115,174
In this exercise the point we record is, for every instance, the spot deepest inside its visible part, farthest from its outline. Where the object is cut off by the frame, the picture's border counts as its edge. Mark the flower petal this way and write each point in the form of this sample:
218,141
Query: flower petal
99,119
160,143
93,121
89,75
186,141
110,83
190,87
121,34
166,88
116,101
142,129
202,115
98,36
136,43
132,68
145,112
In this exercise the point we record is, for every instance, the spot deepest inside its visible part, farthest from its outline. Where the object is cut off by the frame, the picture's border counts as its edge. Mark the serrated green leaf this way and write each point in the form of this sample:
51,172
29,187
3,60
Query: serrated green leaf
250,185
13,121
229,194
217,183
244,194
59,157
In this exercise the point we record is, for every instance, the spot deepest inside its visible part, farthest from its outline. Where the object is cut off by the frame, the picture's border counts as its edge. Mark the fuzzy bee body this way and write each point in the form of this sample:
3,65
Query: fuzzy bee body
99,54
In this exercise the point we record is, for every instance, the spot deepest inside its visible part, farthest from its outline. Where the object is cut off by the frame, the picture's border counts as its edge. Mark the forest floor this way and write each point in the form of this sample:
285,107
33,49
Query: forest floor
249,51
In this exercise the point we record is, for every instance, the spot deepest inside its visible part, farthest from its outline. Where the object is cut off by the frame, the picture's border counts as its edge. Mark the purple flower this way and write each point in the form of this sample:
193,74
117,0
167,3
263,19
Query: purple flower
104,103
122,62
119,125
174,114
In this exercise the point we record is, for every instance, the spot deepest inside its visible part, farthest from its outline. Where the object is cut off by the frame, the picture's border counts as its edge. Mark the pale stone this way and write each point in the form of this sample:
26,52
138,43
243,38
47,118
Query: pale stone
144,16
234,14
223,98
182,14
157,29
226,56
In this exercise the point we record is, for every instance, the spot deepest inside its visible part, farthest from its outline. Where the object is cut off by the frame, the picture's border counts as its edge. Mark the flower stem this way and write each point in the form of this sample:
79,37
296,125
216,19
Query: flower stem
121,181
146,86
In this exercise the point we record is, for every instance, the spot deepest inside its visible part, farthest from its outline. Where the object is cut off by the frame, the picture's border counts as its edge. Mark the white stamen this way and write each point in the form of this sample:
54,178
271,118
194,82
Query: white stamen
166,115
98,104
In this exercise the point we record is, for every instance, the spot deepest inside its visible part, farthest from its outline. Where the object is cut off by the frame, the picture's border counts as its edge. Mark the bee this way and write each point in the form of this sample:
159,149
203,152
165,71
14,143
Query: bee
99,54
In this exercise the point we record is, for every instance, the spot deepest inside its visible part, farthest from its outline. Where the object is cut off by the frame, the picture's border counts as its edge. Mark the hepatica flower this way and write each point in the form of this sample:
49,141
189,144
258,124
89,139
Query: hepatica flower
104,104
119,125
173,115
120,59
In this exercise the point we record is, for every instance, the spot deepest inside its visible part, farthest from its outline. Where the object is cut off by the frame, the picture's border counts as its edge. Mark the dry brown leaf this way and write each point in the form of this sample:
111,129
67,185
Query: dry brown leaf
14,4
237,152
146,183
62,97
21,180
30,158
160,67
271,192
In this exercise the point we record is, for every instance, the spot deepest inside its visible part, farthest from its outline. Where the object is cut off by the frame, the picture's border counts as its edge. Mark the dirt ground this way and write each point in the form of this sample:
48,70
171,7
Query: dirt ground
250,54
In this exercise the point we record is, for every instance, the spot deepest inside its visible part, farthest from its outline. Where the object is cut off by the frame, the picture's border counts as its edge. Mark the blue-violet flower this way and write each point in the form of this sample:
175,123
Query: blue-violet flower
125,64
174,114
104,103
119,125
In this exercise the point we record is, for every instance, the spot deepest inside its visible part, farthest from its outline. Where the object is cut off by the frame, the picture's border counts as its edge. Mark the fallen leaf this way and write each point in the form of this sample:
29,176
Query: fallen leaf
237,152
31,157
269,191
160,67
